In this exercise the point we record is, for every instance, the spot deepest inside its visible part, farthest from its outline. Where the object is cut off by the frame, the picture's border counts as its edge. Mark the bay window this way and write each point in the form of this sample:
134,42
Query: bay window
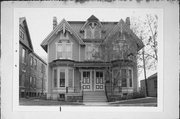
126,77
55,78
130,78
70,79
62,78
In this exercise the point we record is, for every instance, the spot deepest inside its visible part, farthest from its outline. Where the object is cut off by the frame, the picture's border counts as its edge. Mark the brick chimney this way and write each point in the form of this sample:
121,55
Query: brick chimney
54,22
128,22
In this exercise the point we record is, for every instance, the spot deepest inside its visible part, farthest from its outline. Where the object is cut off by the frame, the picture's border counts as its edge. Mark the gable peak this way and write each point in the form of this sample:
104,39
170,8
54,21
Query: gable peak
93,18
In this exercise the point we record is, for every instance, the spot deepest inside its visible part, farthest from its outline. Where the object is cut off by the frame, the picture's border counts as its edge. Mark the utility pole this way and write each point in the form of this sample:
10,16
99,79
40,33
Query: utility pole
144,67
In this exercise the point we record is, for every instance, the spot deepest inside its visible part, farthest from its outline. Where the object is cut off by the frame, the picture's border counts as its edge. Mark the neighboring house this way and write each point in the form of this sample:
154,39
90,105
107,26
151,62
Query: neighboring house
74,71
32,69
151,85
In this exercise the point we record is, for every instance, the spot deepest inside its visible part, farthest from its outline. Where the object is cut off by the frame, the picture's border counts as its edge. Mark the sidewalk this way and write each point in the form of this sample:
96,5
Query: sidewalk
96,103
148,101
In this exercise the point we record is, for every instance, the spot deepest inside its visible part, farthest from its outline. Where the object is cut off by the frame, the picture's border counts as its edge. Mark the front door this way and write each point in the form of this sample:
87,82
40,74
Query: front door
86,81
99,81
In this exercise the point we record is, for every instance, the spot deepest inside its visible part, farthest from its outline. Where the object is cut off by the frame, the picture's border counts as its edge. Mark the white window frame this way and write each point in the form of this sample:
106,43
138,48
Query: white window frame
127,78
56,78
66,78
64,45
92,30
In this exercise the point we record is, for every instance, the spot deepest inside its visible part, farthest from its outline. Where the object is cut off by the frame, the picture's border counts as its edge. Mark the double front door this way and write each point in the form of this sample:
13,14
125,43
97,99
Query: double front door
92,80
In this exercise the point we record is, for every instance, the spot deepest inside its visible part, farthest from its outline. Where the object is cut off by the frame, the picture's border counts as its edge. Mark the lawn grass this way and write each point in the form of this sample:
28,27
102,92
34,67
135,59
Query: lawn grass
46,102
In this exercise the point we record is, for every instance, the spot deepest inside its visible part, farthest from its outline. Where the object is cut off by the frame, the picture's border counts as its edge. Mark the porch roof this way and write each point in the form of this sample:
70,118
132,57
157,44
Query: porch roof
90,64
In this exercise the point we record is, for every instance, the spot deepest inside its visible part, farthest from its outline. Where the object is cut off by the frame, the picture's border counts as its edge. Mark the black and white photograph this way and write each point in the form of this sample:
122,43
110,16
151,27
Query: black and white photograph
89,60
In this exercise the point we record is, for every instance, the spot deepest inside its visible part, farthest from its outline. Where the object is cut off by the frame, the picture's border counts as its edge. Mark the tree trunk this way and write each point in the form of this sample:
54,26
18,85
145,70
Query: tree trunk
144,67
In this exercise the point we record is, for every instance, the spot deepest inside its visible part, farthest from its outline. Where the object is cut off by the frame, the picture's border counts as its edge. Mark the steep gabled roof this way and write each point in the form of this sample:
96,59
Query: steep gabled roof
58,28
22,22
92,18
124,28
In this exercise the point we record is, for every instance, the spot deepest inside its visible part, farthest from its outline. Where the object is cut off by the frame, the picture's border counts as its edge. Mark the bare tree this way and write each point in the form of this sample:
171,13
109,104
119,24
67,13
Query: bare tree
146,29
116,48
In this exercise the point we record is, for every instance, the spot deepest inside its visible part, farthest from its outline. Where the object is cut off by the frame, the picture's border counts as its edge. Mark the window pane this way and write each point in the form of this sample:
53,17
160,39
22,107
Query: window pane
124,77
88,74
30,80
55,78
59,55
34,83
97,74
59,51
84,74
62,78
68,47
70,83
130,78
23,55
88,33
101,74
59,47
31,62
22,79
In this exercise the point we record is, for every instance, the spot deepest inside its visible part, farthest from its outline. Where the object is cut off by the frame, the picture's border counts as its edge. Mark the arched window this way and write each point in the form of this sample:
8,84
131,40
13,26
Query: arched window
92,31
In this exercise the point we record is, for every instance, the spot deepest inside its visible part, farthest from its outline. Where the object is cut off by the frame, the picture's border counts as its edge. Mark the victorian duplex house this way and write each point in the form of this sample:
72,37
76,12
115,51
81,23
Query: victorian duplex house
32,68
90,60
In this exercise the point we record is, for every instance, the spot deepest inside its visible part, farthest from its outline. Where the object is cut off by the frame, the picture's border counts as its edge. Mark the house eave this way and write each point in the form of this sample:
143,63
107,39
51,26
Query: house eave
90,64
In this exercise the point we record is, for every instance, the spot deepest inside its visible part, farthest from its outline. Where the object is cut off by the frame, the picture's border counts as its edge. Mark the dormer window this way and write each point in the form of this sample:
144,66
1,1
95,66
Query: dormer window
92,25
92,31
121,36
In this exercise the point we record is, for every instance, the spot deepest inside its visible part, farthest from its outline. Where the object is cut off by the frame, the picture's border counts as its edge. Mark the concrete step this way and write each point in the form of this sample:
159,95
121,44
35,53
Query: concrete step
96,96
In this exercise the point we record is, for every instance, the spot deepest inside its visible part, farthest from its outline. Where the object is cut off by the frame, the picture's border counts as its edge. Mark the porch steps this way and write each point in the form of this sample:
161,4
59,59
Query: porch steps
94,96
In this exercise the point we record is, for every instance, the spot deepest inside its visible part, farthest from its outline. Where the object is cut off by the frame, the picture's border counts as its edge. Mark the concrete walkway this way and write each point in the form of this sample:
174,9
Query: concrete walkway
96,103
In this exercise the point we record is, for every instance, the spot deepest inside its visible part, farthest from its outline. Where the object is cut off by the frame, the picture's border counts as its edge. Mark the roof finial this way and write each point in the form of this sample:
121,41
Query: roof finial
128,22
54,22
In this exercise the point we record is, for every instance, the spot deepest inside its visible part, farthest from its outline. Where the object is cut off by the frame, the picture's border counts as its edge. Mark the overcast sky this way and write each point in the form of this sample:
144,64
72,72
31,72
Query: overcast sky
40,20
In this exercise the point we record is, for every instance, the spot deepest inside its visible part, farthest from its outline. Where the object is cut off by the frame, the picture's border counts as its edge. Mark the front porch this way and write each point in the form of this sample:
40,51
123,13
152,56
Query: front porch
73,80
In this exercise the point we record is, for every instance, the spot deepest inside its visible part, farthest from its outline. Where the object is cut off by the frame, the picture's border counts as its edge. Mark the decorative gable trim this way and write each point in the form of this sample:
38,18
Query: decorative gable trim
87,22
92,18
63,25
124,28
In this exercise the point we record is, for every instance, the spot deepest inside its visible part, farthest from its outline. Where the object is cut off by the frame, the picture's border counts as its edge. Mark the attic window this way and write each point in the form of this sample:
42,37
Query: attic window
121,35
93,25
92,31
